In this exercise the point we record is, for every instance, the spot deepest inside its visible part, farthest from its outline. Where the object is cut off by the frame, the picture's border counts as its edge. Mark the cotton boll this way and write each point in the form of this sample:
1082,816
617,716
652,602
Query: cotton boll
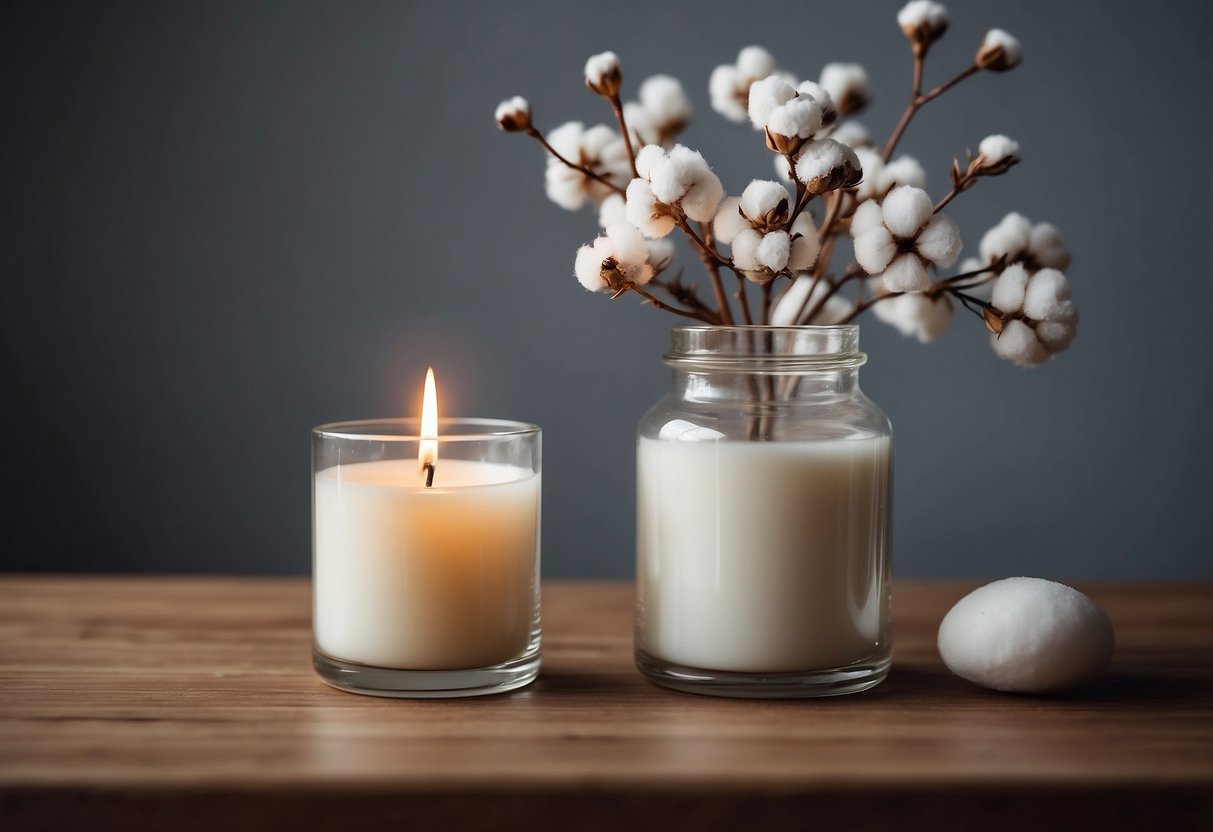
871,162
681,169
875,249
998,148
1046,292
629,246
513,115
727,93
801,118
904,170
847,85
939,241
905,210
703,197
916,315
820,95
641,123
773,250
645,212
755,62
1018,343
1009,237
765,96
853,134
906,274
761,197
663,97
564,186
867,217
1010,288
1047,247
999,51
1056,336
602,73
729,222
612,210
588,266
1026,635
648,158
745,250
805,244
922,21
826,165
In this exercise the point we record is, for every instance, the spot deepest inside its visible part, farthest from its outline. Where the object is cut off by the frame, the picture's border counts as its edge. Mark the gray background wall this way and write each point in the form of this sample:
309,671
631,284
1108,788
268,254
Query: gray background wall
225,222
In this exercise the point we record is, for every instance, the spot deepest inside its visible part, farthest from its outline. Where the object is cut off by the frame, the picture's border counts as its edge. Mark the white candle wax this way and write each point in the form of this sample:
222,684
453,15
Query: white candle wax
420,578
762,557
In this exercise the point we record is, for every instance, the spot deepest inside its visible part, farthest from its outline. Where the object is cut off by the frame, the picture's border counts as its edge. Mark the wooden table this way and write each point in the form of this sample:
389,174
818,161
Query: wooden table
190,703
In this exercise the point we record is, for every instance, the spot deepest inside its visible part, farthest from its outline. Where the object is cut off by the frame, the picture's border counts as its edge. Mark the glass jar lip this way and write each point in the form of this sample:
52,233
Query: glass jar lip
408,429
757,348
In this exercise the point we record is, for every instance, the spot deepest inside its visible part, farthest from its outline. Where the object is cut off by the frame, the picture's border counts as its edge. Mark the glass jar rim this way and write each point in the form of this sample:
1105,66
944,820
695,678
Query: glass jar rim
782,349
408,429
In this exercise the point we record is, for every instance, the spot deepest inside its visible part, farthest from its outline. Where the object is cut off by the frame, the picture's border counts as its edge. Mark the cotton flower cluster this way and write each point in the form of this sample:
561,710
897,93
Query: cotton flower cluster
880,177
898,238
847,85
1016,240
619,257
917,314
753,226
729,84
672,185
662,111
1031,316
599,149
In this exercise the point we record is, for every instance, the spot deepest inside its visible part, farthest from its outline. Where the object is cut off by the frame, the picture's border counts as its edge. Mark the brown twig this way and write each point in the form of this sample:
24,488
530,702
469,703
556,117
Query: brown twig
660,304
617,106
918,99
537,136
850,274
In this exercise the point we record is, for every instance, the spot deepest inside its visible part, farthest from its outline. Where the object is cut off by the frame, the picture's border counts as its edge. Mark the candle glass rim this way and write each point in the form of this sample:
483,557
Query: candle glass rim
377,430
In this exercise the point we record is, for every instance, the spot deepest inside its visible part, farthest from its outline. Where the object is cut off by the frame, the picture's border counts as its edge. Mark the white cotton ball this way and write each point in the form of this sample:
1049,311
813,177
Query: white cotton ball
1026,635
729,222
564,186
1009,238
1018,343
906,273
566,139
998,148
872,163
762,196
847,85
773,250
588,266
599,66
629,246
724,88
805,244
1010,288
644,211
648,158
661,253
745,250
681,169
787,309
815,91
800,118
853,134
612,210
598,140
641,123
1047,248
703,197
905,210
923,16
939,241
1047,290
999,51
755,62
1056,336
904,170
874,249
867,217
765,96
663,97
819,158
916,315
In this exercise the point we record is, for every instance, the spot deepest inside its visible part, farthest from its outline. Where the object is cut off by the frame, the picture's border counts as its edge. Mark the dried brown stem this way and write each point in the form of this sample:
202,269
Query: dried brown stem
660,304
743,301
539,137
918,99
687,296
850,274
712,261
617,106
766,302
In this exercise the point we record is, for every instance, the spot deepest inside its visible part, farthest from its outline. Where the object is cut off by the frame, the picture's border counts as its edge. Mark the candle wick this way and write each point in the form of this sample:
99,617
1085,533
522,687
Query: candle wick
429,474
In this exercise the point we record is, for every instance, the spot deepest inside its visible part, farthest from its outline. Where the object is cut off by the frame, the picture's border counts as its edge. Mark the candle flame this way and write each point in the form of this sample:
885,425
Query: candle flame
427,453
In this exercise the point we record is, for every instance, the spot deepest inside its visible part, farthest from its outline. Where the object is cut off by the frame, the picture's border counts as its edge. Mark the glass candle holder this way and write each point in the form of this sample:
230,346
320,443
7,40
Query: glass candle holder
426,580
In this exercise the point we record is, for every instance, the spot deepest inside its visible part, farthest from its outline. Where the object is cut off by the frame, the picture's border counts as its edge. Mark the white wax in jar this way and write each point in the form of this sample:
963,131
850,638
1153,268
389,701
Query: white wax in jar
420,578
762,557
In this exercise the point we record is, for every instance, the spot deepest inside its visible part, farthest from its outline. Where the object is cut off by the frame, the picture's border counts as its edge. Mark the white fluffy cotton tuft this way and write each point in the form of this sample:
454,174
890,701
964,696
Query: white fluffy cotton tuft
761,197
617,257
999,51
999,149
602,73
799,118
765,96
923,21
662,111
916,315
853,134
513,114
673,181
600,148
1018,343
904,239
847,85
1017,240
729,84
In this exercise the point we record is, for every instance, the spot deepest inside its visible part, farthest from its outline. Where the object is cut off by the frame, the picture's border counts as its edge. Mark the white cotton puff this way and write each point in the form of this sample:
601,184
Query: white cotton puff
761,197
661,253
1010,288
1047,247
1026,635
629,246
923,14
703,197
904,170
1009,238
755,62
787,309
1047,296
599,141
1011,49
1018,343
641,123
997,148
588,265
800,117
844,81
905,210
765,96
1056,336
818,158
566,139
853,134
916,315
644,213
805,244
871,162
866,218
663,97
564,186
597,67
725,89
745,250
773,250
821,95
729,222
648,158
513,108
875,249
906,273
612,210
939,241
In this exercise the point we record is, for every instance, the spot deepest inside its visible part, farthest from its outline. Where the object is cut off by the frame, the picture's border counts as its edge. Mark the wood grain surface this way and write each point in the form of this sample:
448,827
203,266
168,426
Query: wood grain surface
190,703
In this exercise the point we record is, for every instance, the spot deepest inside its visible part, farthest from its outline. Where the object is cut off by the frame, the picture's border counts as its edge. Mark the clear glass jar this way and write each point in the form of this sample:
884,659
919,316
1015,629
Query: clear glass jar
763,501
